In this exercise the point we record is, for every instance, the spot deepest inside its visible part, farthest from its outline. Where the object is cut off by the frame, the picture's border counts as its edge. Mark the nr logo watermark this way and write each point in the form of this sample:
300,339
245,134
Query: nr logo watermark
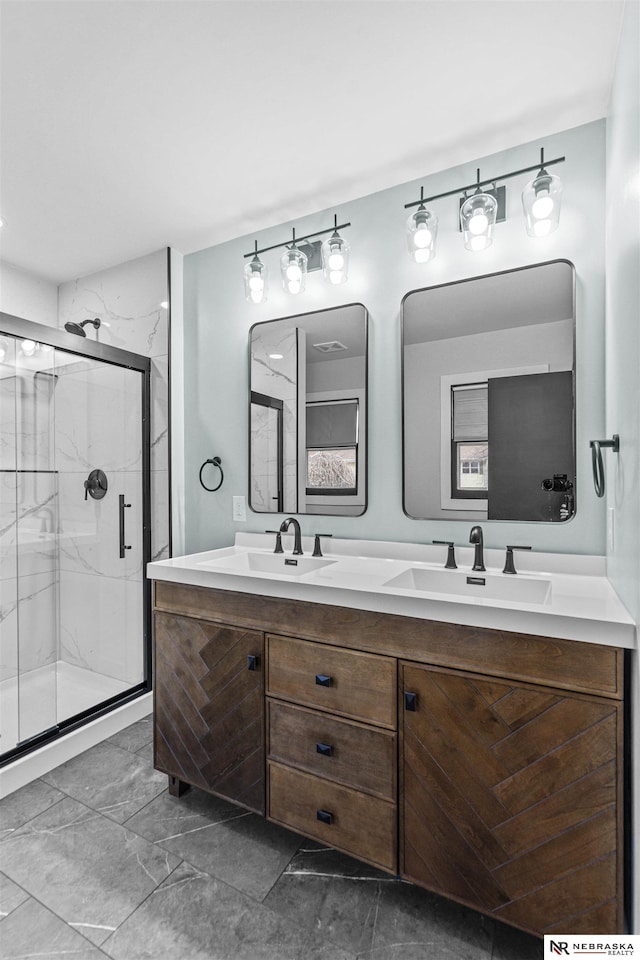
592,945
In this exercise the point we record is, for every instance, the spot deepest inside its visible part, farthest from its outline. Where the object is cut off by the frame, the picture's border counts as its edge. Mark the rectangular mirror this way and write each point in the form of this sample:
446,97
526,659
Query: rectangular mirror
308,413
488,370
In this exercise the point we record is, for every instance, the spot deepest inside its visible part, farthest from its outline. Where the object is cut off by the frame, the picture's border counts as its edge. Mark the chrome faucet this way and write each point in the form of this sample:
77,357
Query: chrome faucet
297,541
475,537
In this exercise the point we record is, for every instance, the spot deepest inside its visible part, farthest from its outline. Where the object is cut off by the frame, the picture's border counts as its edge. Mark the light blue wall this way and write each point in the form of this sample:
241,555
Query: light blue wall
623,312
217,321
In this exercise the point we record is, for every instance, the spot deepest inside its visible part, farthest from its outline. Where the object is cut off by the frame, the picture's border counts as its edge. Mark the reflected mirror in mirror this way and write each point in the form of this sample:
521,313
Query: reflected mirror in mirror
308,413
488,397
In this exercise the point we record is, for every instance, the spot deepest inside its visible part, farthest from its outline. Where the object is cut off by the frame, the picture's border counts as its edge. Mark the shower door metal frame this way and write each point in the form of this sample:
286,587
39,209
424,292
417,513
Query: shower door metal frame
71,343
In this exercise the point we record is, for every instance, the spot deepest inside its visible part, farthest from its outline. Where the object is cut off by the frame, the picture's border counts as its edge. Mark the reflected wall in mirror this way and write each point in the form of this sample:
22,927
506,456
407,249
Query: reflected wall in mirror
308,413
488,397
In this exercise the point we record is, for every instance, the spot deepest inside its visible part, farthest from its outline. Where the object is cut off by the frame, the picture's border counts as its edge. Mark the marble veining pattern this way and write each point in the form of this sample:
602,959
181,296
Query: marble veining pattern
94,869
97,890
60,417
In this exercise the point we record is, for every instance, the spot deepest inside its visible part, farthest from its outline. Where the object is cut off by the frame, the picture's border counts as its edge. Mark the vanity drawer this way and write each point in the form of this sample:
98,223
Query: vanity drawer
351,753
358,685
354,822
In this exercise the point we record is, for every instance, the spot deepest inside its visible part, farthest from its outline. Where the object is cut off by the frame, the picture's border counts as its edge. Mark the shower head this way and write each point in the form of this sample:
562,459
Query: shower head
77,328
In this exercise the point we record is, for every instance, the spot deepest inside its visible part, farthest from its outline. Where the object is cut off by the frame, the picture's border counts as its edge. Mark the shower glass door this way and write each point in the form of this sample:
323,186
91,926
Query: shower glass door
98,455
74,530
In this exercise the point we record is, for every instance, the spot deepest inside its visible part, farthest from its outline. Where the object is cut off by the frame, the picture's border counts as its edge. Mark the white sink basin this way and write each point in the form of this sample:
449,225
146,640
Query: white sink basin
479,586
280,564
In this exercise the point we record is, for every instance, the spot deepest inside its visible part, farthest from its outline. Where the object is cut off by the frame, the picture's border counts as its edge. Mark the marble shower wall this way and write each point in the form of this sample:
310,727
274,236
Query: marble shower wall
97,409
127,299
100,595
28,513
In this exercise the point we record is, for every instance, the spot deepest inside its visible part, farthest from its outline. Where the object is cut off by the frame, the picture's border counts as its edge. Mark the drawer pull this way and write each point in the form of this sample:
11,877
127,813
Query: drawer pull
323,680
325,749
253,662
324,816
411,701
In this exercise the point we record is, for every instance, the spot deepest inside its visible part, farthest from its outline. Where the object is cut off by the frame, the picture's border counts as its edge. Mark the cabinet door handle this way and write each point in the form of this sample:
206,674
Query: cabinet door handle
323,680
324,816
411,701
253,662
325,749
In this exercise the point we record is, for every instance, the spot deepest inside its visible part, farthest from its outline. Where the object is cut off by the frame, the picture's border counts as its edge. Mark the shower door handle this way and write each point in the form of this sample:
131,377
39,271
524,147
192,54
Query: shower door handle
121,507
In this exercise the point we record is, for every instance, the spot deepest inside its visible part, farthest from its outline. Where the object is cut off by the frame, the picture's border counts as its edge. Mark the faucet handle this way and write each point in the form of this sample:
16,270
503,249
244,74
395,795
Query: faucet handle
278,546
508,561
317,552
451,556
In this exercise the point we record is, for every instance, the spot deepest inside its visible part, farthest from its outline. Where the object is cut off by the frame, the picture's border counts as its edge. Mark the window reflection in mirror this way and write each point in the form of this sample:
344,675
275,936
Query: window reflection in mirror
488,397
308,413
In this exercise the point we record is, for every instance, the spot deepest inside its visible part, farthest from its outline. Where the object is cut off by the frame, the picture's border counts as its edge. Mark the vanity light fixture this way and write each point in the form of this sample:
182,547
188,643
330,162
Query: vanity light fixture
477,217
541,200
255,279
293,268
28,347
486,207
335,256
422,230
295,263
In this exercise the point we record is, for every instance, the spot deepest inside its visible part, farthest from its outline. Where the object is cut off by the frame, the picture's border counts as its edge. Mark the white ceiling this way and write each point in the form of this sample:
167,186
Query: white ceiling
128,125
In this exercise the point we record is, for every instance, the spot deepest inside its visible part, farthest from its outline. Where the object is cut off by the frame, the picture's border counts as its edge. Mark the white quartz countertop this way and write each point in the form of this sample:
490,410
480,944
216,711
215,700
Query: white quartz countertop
553,595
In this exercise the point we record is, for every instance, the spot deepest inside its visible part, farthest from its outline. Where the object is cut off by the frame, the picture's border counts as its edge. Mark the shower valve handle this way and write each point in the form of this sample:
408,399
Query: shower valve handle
96,485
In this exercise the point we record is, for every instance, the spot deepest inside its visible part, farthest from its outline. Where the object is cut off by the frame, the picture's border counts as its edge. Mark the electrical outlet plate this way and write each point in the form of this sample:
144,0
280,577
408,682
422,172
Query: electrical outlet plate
239,509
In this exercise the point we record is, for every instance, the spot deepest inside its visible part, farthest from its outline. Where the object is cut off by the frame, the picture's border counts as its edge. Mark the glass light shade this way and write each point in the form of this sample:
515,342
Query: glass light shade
422,231
255,280
541,199
335,259
477,217
293,269
29,347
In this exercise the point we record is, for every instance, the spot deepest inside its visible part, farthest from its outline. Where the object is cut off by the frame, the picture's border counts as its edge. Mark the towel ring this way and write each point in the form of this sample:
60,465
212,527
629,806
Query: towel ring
215,461
598,463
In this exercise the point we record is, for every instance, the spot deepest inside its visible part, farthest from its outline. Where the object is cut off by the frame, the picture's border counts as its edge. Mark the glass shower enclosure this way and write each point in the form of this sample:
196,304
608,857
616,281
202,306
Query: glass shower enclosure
74,532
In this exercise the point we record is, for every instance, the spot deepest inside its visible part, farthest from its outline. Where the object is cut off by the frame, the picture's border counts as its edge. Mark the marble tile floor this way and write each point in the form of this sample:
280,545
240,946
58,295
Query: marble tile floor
98,861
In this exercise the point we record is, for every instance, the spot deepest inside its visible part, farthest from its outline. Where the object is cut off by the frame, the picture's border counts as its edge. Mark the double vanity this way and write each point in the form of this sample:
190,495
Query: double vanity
462,729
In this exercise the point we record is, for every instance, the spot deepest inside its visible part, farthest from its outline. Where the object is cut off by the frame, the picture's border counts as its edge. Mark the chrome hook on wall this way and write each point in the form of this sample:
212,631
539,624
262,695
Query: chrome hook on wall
598,463
215,461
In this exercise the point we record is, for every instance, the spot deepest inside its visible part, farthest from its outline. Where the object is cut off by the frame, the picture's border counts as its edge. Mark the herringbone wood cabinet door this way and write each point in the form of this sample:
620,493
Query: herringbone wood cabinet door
209,726
511,800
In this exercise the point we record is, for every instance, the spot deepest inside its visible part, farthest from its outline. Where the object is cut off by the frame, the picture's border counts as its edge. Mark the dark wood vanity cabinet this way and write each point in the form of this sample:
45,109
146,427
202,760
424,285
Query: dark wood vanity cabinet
511,798
208,708
486,766
331,746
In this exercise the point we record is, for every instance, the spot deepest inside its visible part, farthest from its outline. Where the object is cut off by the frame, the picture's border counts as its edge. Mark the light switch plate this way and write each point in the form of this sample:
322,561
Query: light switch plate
239,509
